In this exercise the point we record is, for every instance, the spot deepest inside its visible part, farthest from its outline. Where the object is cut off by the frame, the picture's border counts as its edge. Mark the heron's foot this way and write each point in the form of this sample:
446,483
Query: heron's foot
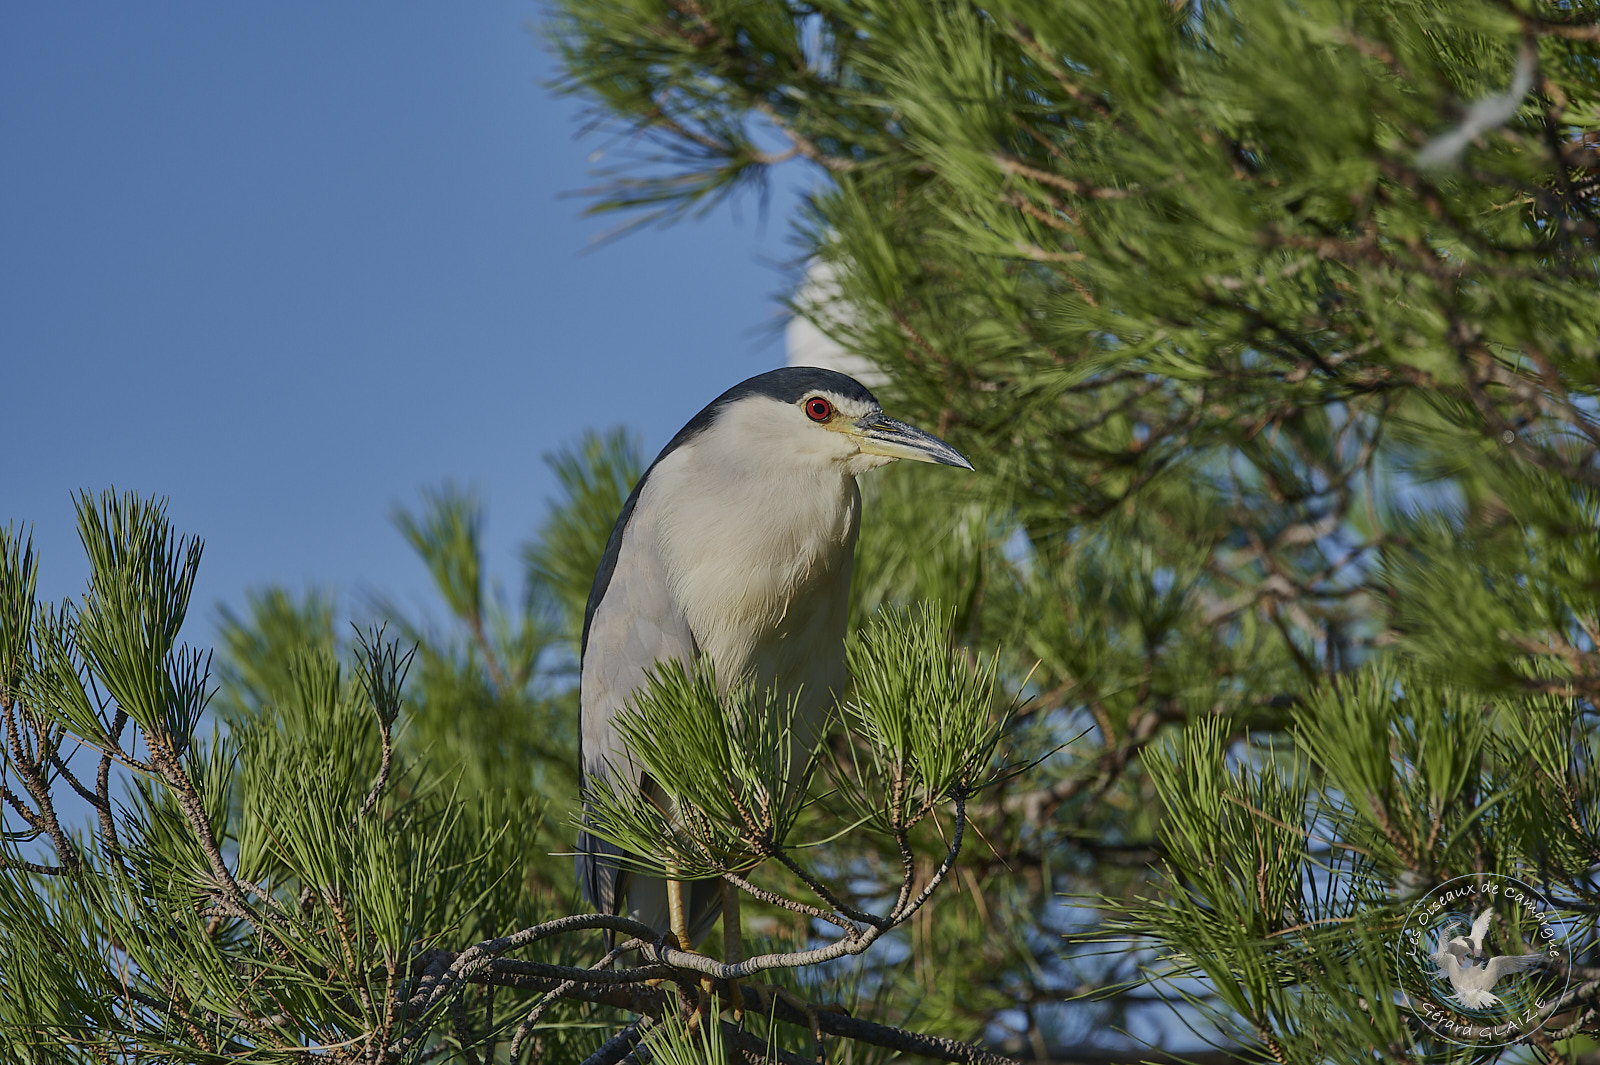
707,985
700,1013
736,1001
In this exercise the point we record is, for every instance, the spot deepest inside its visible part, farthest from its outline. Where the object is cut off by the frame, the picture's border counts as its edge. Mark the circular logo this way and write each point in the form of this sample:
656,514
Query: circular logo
1482,959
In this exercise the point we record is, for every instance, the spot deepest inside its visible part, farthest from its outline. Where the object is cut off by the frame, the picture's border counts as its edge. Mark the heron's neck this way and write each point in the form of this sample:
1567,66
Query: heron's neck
762,558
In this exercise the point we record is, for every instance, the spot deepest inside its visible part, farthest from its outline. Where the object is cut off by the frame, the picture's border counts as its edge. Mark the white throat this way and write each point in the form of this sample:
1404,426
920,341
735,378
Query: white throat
755,561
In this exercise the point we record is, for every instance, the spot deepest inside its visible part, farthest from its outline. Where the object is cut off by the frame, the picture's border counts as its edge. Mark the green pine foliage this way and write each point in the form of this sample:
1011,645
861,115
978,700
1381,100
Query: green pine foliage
1272,331
726,765
562,559
364,850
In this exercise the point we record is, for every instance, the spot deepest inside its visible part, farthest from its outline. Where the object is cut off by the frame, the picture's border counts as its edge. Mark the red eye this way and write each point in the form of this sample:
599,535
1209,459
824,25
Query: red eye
818,409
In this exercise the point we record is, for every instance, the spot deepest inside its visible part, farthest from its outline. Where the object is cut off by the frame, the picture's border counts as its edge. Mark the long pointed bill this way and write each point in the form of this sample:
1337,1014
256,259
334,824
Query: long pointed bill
882,435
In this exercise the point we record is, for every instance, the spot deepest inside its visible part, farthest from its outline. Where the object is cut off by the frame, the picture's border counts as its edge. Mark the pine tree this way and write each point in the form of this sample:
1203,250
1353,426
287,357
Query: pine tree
1271,330
359,854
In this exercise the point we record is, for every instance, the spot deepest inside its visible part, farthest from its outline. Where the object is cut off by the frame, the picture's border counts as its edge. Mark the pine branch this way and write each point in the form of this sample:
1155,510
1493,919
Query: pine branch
102,787
30,769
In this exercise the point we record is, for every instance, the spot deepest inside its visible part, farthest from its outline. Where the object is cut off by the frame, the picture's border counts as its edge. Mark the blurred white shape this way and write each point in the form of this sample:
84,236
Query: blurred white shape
807,345
1486,114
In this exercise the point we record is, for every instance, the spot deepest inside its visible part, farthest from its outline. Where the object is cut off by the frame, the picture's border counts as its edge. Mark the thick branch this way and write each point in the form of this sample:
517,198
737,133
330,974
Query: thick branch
651,1001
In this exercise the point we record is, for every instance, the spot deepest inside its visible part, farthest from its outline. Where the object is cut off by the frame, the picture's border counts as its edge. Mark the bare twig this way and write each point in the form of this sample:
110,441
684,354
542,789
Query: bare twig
620,1045
34,867
386,731
823,892
30,770
164,757
383,673
102,785
772,898
458,1021
902,913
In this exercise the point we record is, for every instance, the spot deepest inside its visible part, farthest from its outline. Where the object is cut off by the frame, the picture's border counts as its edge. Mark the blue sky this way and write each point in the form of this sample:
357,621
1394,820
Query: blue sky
287,264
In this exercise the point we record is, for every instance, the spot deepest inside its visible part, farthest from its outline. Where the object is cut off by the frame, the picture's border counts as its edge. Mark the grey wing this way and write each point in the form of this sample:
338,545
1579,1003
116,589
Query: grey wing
1506,964
1480,928
636,623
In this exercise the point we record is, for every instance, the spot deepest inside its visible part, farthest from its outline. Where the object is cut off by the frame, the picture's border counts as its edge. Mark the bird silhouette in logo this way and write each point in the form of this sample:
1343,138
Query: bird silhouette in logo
1456,958
1472,942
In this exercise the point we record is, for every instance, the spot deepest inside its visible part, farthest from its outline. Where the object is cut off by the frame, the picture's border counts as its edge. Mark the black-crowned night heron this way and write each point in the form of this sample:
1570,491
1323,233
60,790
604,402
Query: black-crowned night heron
736,544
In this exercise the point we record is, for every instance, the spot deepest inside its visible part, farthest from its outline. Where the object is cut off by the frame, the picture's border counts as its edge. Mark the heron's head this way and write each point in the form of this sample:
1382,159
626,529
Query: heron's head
810,416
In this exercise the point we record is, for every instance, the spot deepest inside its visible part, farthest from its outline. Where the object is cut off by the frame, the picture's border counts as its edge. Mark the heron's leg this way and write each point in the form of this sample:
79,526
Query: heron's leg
678,912
678,915
732,944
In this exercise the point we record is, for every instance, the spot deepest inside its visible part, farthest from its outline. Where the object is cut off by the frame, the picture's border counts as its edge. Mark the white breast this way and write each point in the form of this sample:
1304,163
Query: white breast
760,564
